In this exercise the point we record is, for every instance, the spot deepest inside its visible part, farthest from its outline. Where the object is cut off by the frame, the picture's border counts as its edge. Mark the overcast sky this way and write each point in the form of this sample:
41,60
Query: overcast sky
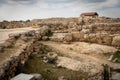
31,9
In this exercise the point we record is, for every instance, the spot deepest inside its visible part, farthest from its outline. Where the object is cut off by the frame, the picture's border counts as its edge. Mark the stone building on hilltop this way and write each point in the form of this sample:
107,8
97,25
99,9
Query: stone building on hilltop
89,14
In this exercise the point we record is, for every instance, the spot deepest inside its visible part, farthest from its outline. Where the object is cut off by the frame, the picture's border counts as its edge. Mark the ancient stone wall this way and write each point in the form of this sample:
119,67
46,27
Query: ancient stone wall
100,24
100,38
93,25
95,30
14,24
111,28
9,66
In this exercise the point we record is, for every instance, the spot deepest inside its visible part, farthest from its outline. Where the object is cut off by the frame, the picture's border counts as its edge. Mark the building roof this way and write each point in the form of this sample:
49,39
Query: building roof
89,14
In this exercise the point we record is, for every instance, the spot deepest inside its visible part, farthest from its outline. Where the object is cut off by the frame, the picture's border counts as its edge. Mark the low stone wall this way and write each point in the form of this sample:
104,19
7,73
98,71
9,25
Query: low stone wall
8,68
100,38
89,21
100,24
14,24
95,30
112,28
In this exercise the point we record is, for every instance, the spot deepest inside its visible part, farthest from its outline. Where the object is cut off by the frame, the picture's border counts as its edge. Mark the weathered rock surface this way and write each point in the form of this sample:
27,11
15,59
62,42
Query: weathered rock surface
77,65
116,41
23,76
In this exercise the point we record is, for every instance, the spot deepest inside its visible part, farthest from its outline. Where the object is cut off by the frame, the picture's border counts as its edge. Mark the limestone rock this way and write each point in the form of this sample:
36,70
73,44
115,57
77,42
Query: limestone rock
37,76
114,60
85,31
1,48
111,57
14,35
116,76
6,44
44,30
23,76
45,38
107,39
116,41
24,37
31,33
52,56
62,78
76,65
68,38
77,36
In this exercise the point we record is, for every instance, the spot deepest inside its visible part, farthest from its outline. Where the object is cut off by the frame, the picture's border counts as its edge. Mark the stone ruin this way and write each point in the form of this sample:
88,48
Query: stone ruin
8,66
99,30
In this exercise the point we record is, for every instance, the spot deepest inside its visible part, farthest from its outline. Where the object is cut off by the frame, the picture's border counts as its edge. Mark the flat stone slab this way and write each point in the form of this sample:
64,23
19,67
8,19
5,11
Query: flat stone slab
116,76
23,76
76,65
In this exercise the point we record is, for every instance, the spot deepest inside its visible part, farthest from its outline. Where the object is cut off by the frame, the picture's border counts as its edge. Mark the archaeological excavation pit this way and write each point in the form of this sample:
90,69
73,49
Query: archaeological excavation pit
64,50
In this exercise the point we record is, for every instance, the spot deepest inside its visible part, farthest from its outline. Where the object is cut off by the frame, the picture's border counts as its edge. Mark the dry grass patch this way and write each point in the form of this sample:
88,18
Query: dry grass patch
50,71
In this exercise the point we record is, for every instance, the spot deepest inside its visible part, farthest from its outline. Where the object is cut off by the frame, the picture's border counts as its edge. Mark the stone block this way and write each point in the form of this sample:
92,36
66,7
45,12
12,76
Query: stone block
68,38
6,44
116,41
77,36
14,35
44,38
107,40
1,49
23,76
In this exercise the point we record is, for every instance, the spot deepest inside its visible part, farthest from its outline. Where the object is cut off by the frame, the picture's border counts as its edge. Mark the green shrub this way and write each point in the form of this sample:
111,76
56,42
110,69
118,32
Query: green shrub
71,48
117,55
49,33
2,27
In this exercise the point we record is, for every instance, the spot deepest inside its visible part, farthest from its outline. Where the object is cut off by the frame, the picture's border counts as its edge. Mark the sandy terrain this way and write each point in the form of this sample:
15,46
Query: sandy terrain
5,32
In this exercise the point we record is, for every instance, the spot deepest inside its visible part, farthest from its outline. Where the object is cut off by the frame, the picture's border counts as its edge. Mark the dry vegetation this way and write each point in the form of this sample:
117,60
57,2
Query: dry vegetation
50,71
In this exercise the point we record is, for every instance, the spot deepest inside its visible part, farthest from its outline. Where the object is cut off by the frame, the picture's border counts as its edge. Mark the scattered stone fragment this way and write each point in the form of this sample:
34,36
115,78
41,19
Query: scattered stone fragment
110,58
62,78
37,76
1,49
116,76
114,60
44,38
68,38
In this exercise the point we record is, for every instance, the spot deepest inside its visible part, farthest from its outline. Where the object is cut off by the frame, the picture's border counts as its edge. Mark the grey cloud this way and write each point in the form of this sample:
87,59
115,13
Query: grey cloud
2,2
8,2
53,2
97,4
25,1
59,1
92,1
109,4
69,1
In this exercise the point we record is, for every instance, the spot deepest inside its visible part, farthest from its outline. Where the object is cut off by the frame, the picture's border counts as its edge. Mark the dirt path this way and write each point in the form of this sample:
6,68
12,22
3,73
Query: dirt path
5,32
76,51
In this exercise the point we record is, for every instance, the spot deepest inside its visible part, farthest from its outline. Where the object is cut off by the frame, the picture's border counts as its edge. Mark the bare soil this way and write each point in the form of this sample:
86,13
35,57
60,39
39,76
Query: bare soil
85,52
